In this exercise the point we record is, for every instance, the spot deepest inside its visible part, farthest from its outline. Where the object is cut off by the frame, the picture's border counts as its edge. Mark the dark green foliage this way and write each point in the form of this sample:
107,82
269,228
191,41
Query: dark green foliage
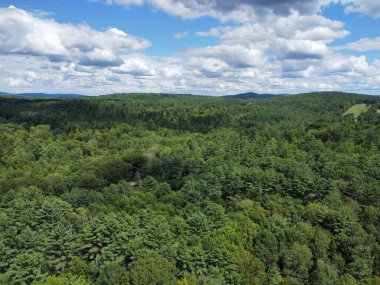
115,170
150,184
112,274
25,268
165,189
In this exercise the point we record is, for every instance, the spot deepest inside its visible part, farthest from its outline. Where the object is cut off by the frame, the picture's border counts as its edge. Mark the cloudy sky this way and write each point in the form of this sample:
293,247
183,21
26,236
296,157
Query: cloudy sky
210,47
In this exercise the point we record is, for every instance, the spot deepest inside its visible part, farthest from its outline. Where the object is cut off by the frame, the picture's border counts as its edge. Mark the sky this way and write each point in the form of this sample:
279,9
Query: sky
206,47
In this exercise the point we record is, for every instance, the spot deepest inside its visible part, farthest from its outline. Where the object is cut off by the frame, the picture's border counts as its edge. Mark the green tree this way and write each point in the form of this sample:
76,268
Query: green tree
251,269
26,268
154,270
150,184
324,273
297,262
112,274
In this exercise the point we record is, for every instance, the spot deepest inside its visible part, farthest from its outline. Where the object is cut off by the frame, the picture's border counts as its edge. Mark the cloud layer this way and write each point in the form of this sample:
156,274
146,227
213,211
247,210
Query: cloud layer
244,10
237,10
273,48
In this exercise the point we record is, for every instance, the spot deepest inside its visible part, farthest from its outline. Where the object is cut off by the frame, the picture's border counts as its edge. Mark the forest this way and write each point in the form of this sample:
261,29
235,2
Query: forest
164,189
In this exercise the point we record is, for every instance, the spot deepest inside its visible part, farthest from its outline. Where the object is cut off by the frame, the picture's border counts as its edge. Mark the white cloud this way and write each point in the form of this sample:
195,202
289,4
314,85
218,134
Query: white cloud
127,2
172,72
246,10
138,66
16,82
236,56
350,65
24,33
209,67
237,10
182,35
362,45
214,32
286,51
291,37
366,7
199,75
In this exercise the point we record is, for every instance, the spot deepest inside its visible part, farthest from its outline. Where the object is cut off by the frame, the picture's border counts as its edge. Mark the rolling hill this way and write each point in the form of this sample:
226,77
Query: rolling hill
253,95
42,95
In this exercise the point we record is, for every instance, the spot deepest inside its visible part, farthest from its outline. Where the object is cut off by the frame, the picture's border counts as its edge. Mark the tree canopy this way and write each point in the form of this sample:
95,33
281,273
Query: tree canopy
179,189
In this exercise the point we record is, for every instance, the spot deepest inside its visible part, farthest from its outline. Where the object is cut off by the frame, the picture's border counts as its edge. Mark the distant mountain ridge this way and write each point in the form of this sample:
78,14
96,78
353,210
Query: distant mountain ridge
253,95
247,95
42,95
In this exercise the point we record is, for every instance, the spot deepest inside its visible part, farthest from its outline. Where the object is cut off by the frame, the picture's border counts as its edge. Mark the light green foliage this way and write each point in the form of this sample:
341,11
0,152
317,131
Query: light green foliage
357,110
324,273
297,262
251,269
153,270
51,280
63,280
274,275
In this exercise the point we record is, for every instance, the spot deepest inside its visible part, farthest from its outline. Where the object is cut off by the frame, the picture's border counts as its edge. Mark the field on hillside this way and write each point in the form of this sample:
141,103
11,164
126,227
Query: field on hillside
178,189
357,110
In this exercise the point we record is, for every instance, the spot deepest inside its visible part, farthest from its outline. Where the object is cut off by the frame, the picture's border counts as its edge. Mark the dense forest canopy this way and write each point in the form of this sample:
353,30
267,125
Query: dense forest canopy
179,189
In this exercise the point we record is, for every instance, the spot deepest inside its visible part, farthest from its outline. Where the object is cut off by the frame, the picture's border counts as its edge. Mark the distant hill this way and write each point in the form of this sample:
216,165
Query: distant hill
42,95
143,96
253,95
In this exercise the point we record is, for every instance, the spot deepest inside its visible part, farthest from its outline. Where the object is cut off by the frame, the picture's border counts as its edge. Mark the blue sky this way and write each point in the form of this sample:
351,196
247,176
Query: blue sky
211,47
154,25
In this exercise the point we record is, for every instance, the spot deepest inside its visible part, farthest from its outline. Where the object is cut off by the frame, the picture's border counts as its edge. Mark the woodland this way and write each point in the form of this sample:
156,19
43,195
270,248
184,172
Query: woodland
165,189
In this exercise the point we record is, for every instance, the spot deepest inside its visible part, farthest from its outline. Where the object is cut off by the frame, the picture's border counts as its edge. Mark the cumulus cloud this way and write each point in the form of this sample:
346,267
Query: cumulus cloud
245,10
366,7
25,33
137,65
236,56
350,65
237,10
209,67
190,74
284,49
362,45
294,36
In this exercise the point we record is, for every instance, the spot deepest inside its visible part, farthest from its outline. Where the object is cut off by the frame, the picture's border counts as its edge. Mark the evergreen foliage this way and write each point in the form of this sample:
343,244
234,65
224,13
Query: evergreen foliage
167,189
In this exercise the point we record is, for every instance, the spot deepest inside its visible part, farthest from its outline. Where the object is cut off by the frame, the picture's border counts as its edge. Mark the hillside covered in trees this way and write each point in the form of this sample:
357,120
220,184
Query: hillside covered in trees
177,189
